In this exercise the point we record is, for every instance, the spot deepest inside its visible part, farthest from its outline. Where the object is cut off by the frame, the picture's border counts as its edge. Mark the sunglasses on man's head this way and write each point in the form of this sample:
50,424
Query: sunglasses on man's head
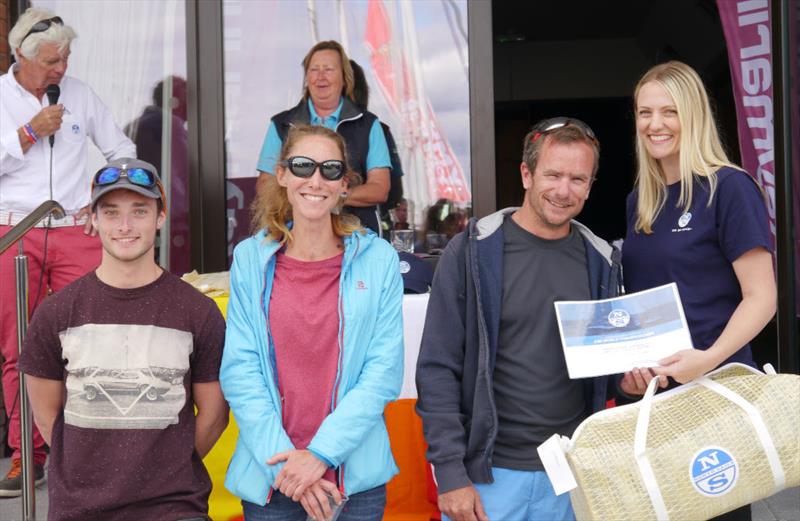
300,166
552,124
43,25
137,176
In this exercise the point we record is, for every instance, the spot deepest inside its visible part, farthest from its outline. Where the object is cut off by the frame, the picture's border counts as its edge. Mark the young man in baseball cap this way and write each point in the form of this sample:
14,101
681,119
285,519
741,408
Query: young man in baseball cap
116,364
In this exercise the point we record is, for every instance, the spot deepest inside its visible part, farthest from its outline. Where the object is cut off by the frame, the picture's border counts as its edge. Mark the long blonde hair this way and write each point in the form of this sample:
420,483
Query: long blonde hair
271,209
700,154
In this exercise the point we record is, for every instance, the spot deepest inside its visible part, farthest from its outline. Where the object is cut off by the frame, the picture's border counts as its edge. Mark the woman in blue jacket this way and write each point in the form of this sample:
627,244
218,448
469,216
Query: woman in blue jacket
314,345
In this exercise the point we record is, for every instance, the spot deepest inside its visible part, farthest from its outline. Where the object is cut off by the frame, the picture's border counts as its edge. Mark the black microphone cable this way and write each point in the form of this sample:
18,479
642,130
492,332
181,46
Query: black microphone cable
46,234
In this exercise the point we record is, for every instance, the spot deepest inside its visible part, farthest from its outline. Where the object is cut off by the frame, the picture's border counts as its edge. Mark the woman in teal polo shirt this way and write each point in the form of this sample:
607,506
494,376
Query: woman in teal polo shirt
328,101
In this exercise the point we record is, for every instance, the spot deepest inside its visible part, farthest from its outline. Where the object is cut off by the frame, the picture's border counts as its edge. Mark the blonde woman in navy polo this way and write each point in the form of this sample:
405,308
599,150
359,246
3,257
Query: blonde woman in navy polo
700,221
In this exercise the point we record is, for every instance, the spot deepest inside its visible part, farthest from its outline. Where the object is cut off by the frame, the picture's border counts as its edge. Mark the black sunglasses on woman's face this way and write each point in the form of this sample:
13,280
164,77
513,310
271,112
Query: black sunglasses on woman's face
301,166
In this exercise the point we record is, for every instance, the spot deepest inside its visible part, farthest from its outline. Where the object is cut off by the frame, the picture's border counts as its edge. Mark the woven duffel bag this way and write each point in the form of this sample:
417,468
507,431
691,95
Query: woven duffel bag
722,441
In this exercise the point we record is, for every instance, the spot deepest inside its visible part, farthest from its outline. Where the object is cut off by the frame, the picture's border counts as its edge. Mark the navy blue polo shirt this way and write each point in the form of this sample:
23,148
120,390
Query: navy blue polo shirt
696,250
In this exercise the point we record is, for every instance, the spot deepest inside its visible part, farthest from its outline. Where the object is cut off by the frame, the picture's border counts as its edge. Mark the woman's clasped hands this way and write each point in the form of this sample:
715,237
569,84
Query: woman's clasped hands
301,480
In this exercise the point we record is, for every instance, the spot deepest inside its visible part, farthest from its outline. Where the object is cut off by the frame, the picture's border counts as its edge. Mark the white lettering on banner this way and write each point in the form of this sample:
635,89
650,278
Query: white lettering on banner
765,177
756,69
764,174
763,46
756,75
764,121
750,5
755,18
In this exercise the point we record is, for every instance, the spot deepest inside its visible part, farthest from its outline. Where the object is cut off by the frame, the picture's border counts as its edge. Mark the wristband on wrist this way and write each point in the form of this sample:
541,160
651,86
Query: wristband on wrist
29,133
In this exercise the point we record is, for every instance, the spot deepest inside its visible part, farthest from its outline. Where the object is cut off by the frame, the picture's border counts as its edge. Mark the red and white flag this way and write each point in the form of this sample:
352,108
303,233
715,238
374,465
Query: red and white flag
424,148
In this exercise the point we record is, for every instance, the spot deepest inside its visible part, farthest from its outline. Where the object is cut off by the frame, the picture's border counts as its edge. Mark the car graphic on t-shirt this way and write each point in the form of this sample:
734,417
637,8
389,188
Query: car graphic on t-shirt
122,381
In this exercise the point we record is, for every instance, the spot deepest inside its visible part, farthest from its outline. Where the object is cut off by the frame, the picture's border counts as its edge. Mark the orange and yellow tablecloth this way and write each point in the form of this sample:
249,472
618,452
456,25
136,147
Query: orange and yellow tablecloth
410,495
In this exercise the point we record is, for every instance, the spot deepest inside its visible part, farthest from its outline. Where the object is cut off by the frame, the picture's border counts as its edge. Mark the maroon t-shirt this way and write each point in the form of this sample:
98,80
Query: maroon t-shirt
304,324
123,447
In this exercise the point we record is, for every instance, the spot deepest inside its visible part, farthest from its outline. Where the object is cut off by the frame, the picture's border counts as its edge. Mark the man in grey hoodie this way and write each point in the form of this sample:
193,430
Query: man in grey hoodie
491,374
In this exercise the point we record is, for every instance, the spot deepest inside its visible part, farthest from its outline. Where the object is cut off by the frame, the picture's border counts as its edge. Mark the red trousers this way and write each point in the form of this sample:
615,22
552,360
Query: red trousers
70,254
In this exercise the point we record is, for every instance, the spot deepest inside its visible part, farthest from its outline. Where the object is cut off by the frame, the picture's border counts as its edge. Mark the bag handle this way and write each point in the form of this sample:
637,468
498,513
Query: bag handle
642,425
640,453
762,432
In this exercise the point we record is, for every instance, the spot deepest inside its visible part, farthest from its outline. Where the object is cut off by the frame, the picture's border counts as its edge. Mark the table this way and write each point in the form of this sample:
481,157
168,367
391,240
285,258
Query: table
411,495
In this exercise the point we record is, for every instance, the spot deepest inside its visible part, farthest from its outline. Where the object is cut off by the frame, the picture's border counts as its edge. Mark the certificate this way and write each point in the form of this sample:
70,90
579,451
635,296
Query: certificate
615,335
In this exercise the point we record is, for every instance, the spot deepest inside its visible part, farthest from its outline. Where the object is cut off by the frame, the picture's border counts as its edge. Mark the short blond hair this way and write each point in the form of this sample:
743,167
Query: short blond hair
701,152
347,69
271,209
61,35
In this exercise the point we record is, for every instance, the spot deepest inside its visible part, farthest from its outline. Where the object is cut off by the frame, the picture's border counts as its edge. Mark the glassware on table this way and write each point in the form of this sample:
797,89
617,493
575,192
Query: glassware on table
335,509
403,240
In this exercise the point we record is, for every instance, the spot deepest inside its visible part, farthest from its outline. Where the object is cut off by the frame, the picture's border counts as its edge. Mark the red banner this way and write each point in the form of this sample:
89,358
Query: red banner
748,28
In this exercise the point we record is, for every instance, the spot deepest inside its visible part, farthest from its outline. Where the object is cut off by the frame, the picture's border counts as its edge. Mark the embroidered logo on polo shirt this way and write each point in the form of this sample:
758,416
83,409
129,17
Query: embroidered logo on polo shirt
76,129
360,284
683,220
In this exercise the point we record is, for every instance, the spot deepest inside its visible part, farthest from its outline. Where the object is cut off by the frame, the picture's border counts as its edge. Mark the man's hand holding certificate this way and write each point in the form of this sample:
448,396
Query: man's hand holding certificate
616,335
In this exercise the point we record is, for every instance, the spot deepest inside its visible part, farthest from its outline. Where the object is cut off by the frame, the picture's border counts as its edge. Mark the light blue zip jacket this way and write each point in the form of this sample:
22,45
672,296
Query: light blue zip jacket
353,436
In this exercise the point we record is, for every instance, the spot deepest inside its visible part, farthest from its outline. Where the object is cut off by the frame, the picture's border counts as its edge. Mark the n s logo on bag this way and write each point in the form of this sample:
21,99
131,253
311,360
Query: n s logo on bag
713,471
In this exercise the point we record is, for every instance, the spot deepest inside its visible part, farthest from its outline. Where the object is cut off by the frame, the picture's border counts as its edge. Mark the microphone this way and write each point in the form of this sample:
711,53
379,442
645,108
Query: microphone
53,92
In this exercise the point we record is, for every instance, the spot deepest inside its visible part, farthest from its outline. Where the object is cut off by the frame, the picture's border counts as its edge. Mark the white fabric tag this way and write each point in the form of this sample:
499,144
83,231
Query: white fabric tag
556,466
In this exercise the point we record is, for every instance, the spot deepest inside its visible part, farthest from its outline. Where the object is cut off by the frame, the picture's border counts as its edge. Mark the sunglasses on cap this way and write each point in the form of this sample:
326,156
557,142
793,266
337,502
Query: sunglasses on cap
43,25
136,176
552,124
300,166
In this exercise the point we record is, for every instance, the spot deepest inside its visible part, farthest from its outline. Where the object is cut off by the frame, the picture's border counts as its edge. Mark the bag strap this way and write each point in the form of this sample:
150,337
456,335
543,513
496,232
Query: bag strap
643,421
640,453
778,474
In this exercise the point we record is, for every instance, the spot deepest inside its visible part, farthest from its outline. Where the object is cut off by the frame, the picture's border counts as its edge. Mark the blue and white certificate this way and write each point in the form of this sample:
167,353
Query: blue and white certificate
615,335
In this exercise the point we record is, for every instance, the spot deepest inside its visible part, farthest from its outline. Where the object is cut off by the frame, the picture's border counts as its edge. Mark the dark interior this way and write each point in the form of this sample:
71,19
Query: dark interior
649,32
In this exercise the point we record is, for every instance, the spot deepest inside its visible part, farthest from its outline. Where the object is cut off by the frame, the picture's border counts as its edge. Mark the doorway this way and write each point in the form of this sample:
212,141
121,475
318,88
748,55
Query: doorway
583,59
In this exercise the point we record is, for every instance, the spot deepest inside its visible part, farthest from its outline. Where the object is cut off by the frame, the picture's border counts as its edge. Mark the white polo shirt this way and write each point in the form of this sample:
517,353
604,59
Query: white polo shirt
25,178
